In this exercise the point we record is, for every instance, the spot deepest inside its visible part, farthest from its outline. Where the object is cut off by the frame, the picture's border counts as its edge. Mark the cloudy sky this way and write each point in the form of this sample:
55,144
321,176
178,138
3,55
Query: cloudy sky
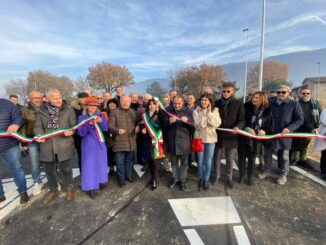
149,37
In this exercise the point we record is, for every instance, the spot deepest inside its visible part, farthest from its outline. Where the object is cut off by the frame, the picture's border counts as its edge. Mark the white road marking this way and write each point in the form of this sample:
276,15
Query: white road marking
235,166
309,175
12,196
205,211
241,235
137,168
193,237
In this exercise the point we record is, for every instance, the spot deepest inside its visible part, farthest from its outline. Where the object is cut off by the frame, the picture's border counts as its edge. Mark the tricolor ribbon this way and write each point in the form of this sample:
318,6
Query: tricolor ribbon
157,139
274,136
167,112
57,132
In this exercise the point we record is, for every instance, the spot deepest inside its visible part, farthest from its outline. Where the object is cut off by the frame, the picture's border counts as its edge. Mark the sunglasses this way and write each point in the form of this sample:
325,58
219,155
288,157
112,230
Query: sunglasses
281,92
226,91
305,93
99,98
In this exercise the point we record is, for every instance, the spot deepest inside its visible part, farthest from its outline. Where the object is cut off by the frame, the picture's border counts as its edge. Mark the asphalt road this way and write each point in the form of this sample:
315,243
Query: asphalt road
262,214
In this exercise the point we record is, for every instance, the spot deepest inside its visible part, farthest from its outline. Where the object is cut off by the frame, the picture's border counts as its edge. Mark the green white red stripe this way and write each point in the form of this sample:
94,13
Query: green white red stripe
54,133
274,136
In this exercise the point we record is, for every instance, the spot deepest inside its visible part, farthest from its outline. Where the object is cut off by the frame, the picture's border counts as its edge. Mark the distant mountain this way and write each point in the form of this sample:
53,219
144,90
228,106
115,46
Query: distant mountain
141,87
301,64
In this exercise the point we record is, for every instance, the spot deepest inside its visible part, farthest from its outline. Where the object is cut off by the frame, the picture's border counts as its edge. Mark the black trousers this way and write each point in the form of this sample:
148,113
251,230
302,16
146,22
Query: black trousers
154,166
323,162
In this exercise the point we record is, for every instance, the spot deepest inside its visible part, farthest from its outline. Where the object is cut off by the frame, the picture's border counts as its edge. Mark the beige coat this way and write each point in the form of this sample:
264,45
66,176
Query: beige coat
123,119
206,124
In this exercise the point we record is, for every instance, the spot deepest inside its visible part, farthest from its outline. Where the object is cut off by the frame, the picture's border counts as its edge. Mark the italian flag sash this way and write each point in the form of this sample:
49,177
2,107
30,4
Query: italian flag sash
157,139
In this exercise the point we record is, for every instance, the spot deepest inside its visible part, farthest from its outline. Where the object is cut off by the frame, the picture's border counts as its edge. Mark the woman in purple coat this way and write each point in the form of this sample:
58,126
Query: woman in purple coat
94,166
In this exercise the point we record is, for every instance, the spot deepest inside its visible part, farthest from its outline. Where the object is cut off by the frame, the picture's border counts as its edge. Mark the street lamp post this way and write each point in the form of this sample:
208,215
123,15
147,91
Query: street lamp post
246,68
318,84
260,81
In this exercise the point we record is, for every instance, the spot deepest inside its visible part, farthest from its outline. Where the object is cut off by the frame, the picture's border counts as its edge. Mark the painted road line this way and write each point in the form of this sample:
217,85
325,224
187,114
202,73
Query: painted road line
205,211
193,237
241,235
137,168
13,198
309,175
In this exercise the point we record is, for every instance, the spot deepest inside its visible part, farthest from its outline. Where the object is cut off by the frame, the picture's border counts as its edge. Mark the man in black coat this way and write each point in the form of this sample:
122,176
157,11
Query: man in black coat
179,133
232,116
311,111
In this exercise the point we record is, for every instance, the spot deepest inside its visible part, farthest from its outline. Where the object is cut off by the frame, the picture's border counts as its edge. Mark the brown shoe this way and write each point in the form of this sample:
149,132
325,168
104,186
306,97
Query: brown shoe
50,197
2,198
70,195
24,198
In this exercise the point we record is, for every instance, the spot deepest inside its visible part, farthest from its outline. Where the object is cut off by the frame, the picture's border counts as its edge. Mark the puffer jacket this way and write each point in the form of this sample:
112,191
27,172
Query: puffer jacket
206,124
123,119
29,115
9,114
61,145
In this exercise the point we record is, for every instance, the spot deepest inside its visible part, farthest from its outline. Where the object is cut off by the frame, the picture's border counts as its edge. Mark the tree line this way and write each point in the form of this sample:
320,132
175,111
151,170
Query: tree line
107,77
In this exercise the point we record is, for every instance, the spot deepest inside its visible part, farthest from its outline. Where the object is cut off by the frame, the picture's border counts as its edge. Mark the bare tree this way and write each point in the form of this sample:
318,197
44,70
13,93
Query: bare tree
43,80
18,87
273,73
108,77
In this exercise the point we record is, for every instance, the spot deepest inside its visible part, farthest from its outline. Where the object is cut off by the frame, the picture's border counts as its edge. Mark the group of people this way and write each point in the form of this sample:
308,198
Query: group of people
122,130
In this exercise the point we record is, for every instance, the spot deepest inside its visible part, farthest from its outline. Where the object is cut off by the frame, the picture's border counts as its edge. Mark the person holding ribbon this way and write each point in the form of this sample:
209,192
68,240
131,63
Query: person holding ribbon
320,145
179,125
288,117
151,143
53,117
207,119
259,121
94,173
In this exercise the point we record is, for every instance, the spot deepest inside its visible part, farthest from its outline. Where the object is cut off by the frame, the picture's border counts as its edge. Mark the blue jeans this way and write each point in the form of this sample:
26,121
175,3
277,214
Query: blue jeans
34,154
12,157
124,160
205,159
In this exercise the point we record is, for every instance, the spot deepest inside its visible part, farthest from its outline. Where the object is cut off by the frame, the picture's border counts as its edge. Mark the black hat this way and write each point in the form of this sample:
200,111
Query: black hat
113,100
82,95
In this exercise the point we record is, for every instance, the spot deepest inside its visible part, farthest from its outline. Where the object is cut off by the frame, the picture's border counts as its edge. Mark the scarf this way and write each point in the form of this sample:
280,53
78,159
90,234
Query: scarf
54,120
314,111
256,120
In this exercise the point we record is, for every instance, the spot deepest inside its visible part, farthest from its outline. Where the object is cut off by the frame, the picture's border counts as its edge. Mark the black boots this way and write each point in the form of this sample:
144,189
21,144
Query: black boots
203,184
200,184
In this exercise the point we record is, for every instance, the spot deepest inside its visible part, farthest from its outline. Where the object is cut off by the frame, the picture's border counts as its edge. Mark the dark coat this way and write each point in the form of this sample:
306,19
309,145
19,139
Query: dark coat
29,115
145,140
123,119
309,124
266,124
61,145
232,115
9,114
179,133
286,115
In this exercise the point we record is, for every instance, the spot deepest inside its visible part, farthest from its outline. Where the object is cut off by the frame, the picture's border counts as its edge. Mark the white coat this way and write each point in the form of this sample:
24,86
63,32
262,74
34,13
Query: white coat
320,144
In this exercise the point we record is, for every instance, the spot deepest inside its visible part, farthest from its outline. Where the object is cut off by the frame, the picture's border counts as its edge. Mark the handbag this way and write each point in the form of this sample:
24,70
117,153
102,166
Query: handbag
196,145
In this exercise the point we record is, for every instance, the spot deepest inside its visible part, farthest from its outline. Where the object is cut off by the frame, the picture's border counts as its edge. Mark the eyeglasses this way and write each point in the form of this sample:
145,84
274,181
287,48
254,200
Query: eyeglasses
226,91
305,93
99,98
281,92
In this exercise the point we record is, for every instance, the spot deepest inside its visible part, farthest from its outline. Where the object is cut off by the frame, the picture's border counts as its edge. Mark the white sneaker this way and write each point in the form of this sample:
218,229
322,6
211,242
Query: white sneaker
282,180
262,175
38,187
